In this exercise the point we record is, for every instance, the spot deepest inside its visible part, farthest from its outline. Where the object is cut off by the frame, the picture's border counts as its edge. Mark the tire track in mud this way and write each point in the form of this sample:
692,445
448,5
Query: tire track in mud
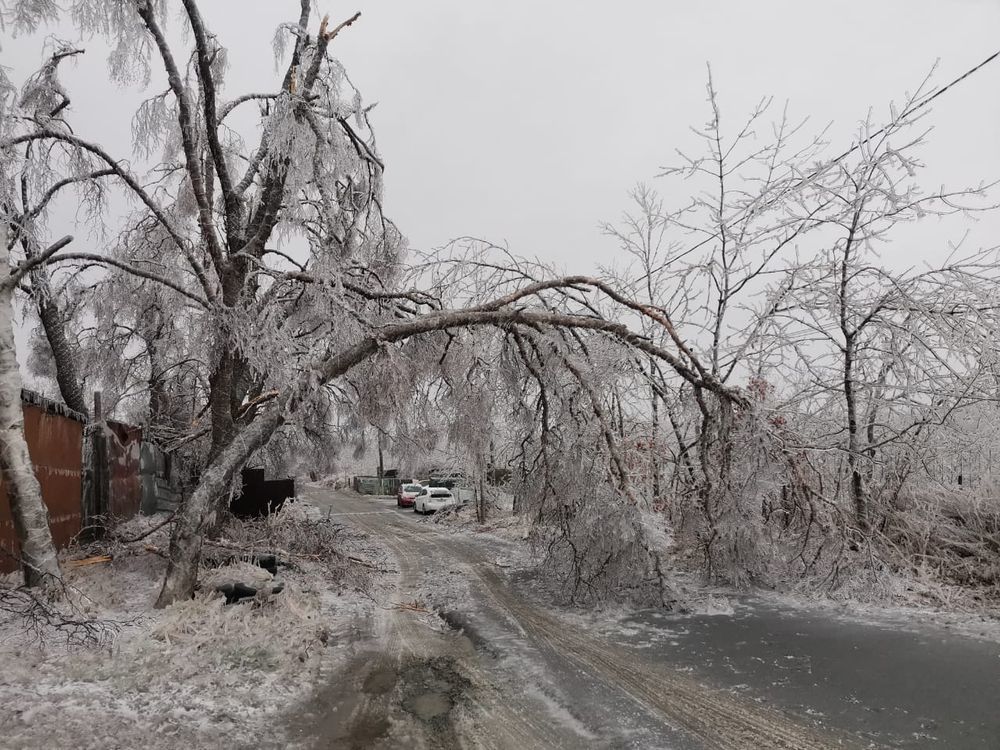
493,720
716,718
494,715
371,703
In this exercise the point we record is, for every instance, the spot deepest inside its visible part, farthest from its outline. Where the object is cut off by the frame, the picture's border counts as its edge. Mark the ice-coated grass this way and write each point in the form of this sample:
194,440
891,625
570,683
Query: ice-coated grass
198,673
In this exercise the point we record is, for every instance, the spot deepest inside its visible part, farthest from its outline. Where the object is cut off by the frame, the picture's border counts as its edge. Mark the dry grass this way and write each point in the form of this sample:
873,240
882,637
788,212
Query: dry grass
950,539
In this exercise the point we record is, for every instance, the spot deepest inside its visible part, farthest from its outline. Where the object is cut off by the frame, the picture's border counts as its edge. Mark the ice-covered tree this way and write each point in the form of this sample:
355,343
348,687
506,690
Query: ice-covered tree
271,244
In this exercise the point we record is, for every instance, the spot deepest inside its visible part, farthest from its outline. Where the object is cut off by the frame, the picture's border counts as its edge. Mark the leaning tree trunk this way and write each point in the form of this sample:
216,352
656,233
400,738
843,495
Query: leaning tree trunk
197,514
31,518
481,500
654,440
67,372
68,376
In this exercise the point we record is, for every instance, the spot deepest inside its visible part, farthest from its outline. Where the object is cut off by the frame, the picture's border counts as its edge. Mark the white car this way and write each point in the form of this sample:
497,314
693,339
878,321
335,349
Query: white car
431,499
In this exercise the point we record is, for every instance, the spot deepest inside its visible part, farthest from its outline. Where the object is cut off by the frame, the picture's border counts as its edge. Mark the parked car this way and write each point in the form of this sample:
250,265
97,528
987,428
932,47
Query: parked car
431,499
406,494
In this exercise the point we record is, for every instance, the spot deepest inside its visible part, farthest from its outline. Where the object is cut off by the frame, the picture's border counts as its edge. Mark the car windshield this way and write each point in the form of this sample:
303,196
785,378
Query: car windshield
412,488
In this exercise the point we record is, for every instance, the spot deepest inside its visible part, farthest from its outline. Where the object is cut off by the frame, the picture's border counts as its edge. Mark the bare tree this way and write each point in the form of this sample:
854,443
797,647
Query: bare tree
43,100
22,224
903,344
706,265
904,349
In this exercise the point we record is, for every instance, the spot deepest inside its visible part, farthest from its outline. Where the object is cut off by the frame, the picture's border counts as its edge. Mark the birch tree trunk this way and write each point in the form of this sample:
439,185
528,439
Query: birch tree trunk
31,517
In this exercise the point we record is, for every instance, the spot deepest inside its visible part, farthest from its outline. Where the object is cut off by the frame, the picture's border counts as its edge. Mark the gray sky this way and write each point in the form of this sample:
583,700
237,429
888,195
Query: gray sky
529,121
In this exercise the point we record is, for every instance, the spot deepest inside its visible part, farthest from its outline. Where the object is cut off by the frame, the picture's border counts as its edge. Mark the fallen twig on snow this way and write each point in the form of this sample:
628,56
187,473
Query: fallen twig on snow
95,560
41,619
245,548
359,561
146,533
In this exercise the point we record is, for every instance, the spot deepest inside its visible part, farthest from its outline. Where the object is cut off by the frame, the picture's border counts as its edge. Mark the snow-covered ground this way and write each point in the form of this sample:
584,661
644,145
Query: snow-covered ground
454,594
197,674
890,673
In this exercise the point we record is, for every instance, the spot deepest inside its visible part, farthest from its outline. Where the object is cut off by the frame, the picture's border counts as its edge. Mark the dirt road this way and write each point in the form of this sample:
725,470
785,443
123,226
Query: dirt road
454,657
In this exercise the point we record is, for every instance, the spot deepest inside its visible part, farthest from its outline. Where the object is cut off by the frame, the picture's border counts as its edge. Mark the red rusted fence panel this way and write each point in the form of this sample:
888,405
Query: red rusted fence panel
55,443
125,483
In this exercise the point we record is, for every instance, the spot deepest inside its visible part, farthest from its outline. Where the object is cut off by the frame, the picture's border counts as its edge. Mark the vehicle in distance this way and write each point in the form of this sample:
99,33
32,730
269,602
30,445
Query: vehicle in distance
406,494
448,481
432,499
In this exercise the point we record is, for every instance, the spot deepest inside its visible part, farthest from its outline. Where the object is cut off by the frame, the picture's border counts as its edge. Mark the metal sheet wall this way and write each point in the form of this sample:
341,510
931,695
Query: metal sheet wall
123,456
376,486
55,443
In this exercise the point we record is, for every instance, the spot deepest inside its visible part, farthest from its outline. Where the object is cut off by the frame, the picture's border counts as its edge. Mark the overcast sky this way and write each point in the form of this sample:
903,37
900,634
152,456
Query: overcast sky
529,121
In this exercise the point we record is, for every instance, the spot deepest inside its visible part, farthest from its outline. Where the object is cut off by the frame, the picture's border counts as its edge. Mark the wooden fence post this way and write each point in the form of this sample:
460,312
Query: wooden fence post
96,489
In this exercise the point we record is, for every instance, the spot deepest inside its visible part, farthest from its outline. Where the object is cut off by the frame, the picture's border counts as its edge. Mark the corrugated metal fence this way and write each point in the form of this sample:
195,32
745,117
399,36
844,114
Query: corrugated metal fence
76,499
376,486
123,452
55,444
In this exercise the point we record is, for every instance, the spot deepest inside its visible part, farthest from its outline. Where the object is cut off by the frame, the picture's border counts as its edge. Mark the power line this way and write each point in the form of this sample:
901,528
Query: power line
920,105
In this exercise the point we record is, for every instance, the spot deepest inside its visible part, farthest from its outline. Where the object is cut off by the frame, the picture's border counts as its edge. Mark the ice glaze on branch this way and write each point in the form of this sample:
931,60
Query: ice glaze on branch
186,121
232,200
114,168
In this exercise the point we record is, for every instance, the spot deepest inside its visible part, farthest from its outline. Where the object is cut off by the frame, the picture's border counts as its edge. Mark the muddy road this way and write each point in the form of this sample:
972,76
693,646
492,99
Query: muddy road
455,656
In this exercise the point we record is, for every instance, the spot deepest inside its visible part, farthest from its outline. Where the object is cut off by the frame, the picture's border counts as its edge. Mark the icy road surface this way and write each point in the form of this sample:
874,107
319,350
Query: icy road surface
455,656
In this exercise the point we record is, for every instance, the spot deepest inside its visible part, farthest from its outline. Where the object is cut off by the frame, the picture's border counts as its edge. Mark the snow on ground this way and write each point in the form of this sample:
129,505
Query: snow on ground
983,625
197,674
201,674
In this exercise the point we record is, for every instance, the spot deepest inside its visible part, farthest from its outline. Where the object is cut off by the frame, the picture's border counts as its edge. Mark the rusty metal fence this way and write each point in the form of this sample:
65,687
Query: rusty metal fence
123,450
89,474
55,444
